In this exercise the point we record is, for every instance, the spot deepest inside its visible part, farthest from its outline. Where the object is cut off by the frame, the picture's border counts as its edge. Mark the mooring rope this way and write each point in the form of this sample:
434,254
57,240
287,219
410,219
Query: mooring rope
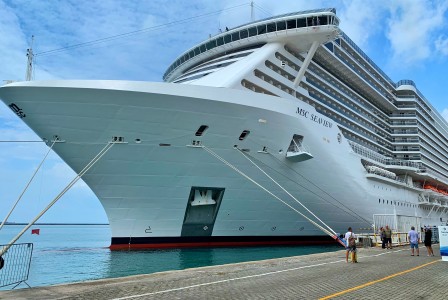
294,198
340,205
333,235
27,185
78,176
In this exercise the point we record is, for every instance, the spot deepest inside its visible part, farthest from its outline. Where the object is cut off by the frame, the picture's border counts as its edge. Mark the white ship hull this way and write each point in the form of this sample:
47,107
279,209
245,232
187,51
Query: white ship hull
145,187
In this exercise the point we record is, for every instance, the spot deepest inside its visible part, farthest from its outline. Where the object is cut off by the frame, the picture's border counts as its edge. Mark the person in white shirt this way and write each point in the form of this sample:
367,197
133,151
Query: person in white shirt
350,237
413,240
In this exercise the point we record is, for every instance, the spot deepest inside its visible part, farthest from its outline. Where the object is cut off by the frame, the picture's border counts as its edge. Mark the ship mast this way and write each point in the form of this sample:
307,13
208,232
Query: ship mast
252,11
29,66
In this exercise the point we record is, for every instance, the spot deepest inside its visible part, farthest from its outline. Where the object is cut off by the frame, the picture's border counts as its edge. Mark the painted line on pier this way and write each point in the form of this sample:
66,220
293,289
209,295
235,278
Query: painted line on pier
376,281
245,277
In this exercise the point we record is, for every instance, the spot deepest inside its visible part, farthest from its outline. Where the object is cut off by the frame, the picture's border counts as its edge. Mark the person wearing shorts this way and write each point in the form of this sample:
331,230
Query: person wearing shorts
413,240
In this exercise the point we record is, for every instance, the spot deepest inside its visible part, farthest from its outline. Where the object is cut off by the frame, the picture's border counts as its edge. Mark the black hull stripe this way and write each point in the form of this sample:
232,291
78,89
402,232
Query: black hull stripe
215,241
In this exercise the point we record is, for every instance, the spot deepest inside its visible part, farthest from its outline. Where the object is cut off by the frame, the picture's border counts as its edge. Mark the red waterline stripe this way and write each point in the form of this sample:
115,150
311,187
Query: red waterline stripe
213,244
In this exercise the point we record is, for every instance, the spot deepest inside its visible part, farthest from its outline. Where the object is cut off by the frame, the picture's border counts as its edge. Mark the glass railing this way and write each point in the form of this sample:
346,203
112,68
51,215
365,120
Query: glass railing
387,161
403,115
363,76
363,55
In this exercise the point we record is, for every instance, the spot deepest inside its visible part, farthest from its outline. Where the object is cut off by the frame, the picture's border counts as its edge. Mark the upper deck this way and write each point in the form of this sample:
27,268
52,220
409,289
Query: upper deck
310,25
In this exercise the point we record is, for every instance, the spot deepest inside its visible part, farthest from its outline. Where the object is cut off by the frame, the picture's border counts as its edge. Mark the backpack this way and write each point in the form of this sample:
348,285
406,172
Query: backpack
351,241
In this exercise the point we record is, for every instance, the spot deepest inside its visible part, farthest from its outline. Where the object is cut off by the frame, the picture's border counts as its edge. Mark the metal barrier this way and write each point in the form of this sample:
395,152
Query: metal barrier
15,264
372,239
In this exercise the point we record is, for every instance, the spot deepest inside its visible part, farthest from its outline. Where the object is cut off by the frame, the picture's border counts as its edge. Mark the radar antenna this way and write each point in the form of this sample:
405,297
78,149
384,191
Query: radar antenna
29,66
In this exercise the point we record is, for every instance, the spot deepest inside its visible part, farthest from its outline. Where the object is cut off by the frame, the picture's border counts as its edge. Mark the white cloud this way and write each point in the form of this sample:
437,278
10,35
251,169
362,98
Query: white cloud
441,45
412,26
360,20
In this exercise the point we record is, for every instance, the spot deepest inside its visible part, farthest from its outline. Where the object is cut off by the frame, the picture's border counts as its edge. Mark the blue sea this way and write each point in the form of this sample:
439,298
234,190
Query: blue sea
73,253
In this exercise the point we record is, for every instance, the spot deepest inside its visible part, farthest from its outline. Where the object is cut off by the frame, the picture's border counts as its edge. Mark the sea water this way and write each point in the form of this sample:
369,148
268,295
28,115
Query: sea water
73,253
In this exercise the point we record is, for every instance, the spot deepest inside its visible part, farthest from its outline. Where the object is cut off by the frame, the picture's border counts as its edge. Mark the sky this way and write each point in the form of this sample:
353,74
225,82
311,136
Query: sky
138,40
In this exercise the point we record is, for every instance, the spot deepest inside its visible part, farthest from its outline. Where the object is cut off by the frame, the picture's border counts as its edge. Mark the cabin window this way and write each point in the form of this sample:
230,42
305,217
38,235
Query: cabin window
244,134
201,130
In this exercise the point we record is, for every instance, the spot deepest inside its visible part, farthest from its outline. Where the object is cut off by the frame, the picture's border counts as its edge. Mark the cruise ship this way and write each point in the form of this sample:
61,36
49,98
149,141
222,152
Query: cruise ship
281,131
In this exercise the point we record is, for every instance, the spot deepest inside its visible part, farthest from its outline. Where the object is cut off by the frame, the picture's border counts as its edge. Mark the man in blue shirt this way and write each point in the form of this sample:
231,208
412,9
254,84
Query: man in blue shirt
413,239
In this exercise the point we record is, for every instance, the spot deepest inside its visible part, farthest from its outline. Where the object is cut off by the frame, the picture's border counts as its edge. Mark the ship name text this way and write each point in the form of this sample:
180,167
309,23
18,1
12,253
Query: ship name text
304,113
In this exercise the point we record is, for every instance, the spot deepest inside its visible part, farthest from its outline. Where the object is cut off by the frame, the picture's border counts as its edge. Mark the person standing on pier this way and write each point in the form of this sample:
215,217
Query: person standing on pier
382,237
428,240
350,237
413,240
388,237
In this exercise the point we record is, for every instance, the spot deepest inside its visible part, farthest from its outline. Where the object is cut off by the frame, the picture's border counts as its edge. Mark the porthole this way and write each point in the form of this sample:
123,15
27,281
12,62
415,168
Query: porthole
244,134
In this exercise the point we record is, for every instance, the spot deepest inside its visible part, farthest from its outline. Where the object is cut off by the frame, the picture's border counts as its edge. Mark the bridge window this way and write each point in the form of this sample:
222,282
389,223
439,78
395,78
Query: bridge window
262,29
211,45
322,20
301,22
281,25
203,48
291,24
220,41
244,34
227,39
253,31
235,36
271,27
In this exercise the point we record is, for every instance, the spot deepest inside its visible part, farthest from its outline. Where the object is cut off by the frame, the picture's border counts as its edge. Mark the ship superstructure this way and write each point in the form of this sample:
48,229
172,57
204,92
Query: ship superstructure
245,124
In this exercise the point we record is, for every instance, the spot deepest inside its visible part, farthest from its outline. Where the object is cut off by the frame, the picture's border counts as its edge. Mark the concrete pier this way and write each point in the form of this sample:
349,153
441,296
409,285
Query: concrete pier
380,274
